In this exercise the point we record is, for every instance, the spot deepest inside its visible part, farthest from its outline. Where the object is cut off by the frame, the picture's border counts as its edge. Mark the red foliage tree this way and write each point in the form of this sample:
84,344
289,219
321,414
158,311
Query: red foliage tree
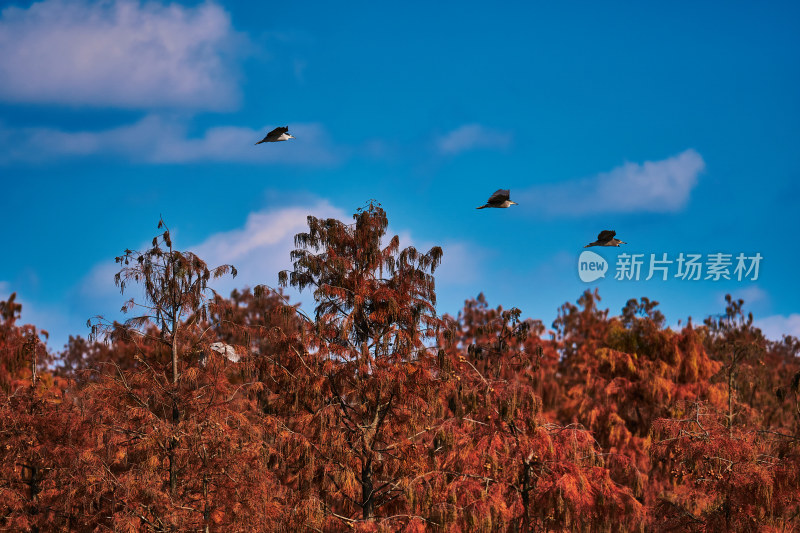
363,381
38,436
179,443
501,465
722,478
374,414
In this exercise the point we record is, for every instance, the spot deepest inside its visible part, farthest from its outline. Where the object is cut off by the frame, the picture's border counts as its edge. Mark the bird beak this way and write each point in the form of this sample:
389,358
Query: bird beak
513,203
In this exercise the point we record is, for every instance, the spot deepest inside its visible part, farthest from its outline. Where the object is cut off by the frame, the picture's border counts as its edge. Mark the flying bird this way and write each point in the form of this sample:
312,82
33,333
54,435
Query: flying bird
278,134
500,198
606,238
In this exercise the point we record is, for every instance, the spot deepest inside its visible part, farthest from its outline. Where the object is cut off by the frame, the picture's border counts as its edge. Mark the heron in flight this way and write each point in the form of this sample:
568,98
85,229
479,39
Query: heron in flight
278,134
500,198
606,238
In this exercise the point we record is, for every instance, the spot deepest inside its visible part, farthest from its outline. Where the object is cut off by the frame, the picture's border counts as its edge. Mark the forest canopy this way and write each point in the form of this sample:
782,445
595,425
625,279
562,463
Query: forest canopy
371,412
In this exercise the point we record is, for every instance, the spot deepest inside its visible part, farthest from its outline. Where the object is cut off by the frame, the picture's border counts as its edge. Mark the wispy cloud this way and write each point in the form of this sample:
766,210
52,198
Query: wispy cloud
46,316
461,264
751,295
776,326
158,139
470,137
259,250
121,53
653,186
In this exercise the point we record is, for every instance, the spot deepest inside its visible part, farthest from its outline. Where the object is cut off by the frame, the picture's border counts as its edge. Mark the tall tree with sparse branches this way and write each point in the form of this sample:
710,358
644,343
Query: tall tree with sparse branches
176,296
176,291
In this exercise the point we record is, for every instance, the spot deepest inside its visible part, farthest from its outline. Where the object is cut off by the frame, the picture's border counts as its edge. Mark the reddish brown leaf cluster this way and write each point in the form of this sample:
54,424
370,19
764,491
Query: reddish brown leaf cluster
372,413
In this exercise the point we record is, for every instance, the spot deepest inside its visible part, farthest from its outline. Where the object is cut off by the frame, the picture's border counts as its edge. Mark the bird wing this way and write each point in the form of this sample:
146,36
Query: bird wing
499,196
225,350
606,235
274,134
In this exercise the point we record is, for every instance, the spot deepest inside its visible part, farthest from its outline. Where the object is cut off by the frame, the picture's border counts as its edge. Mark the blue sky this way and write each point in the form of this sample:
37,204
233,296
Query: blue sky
676,125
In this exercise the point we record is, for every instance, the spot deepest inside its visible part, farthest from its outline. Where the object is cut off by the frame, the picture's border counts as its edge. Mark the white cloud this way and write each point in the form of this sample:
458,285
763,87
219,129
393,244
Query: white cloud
261,248
121,53
159,139
98,288
654,186
472,136
776,326
49,317
751,296
258,250
461,261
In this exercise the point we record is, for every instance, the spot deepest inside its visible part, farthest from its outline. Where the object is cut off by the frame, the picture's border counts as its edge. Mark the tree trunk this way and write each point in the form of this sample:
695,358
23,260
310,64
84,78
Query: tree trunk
173,469
176,415
730,400
206,508
33,479
174,348
526,518
33,346
367,500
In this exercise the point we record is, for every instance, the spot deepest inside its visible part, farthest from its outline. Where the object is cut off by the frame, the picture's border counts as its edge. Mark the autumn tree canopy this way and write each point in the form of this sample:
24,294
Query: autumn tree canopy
370,411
